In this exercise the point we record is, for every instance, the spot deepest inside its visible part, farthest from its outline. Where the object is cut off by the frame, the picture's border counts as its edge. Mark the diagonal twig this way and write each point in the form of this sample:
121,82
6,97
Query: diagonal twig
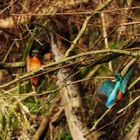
84,26
131,103
67,59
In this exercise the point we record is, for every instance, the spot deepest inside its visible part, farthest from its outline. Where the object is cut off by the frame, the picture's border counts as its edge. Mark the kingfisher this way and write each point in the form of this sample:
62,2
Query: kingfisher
115,90
34,62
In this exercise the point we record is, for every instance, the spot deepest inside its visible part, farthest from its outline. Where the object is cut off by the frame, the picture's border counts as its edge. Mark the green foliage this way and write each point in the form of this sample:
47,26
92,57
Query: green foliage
40,88
28,45
51,85
64,135
33,105
129,126
8,123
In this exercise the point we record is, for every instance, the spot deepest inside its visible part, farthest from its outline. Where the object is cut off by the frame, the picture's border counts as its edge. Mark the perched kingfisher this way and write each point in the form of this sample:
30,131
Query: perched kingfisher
34,62
115,90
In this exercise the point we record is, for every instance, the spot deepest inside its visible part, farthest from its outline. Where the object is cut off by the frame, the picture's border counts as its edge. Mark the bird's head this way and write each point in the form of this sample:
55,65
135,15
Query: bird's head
119,77
34,52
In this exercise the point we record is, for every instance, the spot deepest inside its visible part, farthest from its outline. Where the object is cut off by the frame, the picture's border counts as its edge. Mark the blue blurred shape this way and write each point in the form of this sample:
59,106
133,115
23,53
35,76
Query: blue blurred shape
111,89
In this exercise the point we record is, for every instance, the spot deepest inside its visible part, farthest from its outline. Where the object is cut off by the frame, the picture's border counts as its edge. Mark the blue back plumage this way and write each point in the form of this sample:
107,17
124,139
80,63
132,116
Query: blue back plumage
126,79
113,96
106,88
111,89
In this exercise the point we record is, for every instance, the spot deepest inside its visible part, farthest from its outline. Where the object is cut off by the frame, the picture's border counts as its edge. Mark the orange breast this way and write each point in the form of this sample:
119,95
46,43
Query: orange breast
120,95
33,63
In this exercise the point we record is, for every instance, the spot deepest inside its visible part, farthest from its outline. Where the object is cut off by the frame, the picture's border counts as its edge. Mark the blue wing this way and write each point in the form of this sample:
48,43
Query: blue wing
126,79
106,88
113,95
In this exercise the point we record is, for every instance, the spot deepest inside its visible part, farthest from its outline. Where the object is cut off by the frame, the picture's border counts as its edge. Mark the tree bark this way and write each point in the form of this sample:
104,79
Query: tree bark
70,97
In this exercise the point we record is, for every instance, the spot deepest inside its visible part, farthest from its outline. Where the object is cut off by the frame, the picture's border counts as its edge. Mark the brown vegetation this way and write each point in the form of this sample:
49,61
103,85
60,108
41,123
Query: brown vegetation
81,43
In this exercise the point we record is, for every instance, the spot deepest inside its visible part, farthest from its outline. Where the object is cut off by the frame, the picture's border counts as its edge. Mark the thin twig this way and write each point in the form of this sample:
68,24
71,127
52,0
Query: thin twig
137,80
72,13
105,37
97,122
4,60
131,103
67,59
92,72
122,29
113,121
84,26
11,65
124,71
